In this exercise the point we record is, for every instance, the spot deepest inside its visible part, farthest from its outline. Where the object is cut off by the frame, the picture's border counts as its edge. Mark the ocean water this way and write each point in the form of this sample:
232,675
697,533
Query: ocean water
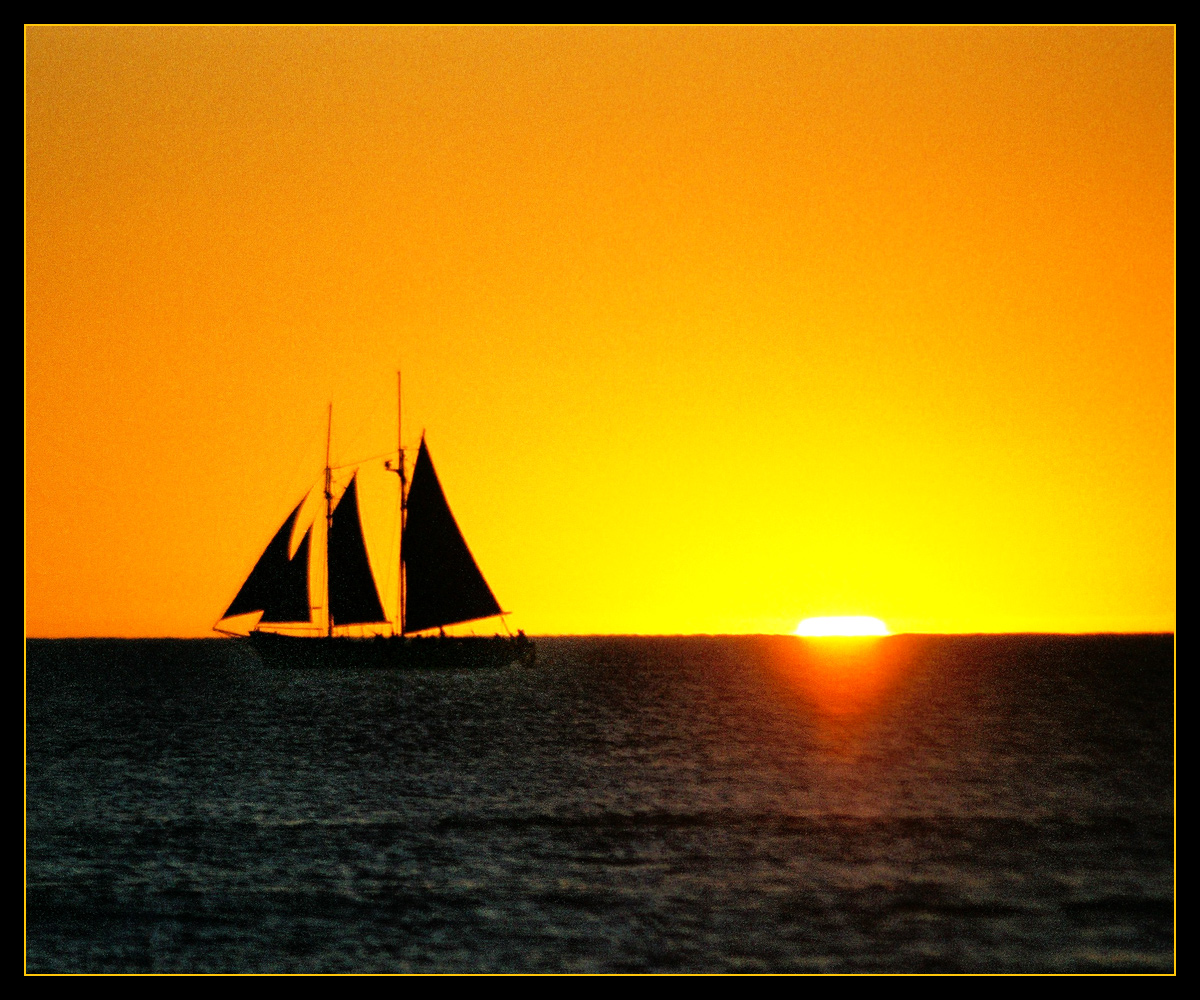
725,804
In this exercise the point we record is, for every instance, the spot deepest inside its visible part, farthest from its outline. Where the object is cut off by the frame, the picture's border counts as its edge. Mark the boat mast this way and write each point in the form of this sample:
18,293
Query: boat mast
399,470
328,519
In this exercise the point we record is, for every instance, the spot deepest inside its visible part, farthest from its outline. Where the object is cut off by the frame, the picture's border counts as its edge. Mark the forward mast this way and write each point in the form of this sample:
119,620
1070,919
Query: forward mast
400,471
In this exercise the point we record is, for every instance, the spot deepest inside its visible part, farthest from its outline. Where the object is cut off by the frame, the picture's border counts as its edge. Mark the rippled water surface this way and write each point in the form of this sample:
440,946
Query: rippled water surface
696,804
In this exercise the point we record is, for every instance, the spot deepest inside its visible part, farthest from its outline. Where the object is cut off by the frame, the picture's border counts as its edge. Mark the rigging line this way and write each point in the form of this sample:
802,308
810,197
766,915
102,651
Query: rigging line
375,407
363,461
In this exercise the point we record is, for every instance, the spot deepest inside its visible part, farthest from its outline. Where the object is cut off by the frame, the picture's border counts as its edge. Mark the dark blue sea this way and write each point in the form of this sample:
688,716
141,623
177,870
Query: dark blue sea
725,804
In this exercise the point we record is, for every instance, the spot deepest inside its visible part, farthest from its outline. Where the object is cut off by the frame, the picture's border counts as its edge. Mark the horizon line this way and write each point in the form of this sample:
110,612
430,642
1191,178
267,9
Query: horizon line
637,635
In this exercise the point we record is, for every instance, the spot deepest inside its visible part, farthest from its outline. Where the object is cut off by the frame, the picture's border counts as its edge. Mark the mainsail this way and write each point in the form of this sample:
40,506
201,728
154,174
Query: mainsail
443,583
277,586
353,598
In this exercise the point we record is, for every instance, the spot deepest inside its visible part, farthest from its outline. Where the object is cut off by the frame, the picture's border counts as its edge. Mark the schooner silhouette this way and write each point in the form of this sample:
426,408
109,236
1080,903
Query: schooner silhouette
438,584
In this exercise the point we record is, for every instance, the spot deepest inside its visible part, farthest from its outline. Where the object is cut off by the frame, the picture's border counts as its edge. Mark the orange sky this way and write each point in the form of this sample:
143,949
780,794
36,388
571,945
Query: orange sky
711,329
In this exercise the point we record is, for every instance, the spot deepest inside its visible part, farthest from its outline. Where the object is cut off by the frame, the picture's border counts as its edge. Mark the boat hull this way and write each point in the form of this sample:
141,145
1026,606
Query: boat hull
405,652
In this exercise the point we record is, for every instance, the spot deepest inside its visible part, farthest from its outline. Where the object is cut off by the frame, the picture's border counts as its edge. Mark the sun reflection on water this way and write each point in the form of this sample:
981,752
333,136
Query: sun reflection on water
848,683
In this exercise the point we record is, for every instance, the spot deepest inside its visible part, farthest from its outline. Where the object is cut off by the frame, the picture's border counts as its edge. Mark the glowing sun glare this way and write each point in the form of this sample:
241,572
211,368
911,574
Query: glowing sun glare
848,625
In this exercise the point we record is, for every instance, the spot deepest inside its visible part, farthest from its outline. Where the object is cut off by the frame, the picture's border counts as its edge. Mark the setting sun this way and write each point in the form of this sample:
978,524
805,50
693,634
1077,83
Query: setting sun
845,625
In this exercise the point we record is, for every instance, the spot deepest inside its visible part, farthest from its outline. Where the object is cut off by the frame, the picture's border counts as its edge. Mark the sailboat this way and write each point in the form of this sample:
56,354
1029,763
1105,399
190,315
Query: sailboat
438,584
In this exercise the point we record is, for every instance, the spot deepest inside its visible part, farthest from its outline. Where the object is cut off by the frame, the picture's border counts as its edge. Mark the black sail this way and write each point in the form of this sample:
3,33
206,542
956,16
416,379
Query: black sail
443,583
277,586
292,603
353,599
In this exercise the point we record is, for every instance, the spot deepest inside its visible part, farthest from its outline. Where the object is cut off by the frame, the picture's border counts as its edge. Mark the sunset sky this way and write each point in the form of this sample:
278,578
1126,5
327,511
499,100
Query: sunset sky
709,329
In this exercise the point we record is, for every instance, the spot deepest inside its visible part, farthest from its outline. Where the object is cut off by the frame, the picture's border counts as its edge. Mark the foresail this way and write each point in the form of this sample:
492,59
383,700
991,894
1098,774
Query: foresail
291,603
443,583
353,597
277,586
